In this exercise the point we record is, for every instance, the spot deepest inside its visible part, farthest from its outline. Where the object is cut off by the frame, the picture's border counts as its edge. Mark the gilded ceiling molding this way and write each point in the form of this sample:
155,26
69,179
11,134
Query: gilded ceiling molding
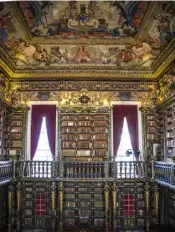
78,75
167,50
6,68
78,85
165,61
82,41
7,59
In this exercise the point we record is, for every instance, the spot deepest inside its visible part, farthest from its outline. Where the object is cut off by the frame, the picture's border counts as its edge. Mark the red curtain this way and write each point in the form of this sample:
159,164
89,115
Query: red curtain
35,129
132,120
118,119
50,113
130,112
38,112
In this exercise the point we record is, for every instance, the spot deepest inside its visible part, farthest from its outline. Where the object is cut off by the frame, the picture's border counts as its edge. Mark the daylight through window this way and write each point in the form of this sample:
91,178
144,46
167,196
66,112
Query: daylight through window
125,144
43,152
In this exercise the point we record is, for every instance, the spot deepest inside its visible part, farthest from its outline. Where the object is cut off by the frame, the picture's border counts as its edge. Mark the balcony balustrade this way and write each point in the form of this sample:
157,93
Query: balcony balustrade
163,172
6,171
75,170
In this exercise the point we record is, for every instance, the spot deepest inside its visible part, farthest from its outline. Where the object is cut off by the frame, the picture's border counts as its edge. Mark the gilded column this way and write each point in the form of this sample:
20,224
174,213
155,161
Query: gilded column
10,206
147,205
156,203
106,189
114,199
53,205
19,204
61,190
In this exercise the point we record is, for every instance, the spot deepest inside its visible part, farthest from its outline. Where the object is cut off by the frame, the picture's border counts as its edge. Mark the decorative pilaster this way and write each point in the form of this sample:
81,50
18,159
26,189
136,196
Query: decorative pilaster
106,189
61,190
19,198
156,203
53,206
114,201
10,206
147,205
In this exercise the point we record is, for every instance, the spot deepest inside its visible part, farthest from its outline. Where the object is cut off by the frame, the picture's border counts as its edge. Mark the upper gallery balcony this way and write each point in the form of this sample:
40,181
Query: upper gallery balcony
163,172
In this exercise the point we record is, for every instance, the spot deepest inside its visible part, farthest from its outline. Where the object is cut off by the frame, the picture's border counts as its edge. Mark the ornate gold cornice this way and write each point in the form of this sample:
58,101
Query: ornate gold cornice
5,58
82,41
76,74
78,85
165,60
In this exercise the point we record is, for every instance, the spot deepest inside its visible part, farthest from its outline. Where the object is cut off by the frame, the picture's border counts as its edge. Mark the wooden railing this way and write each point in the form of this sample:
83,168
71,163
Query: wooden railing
162,172
38,169
107,169
6,171
165,172
104,169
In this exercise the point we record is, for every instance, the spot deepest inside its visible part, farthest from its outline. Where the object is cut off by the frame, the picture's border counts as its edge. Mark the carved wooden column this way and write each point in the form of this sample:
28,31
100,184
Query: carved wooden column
114,201
61,191
156,203
53,206
147,205
10,206
19,204
106,189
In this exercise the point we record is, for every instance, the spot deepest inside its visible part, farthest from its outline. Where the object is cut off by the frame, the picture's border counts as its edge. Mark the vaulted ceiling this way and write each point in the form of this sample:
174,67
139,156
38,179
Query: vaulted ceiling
87,39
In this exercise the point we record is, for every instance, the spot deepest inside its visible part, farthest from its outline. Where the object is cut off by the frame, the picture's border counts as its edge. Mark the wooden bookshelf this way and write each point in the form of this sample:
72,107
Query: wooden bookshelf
4,132
17,136
84,136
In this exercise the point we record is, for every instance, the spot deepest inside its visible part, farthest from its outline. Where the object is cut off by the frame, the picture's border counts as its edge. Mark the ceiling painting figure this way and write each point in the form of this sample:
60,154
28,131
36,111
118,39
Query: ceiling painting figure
91,18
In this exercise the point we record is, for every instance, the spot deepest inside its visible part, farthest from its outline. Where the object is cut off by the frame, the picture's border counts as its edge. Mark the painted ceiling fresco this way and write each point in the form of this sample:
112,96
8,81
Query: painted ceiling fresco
140,55
123,35
87,18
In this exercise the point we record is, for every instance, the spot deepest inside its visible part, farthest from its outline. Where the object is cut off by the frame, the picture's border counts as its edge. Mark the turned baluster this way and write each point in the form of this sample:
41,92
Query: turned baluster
34,166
